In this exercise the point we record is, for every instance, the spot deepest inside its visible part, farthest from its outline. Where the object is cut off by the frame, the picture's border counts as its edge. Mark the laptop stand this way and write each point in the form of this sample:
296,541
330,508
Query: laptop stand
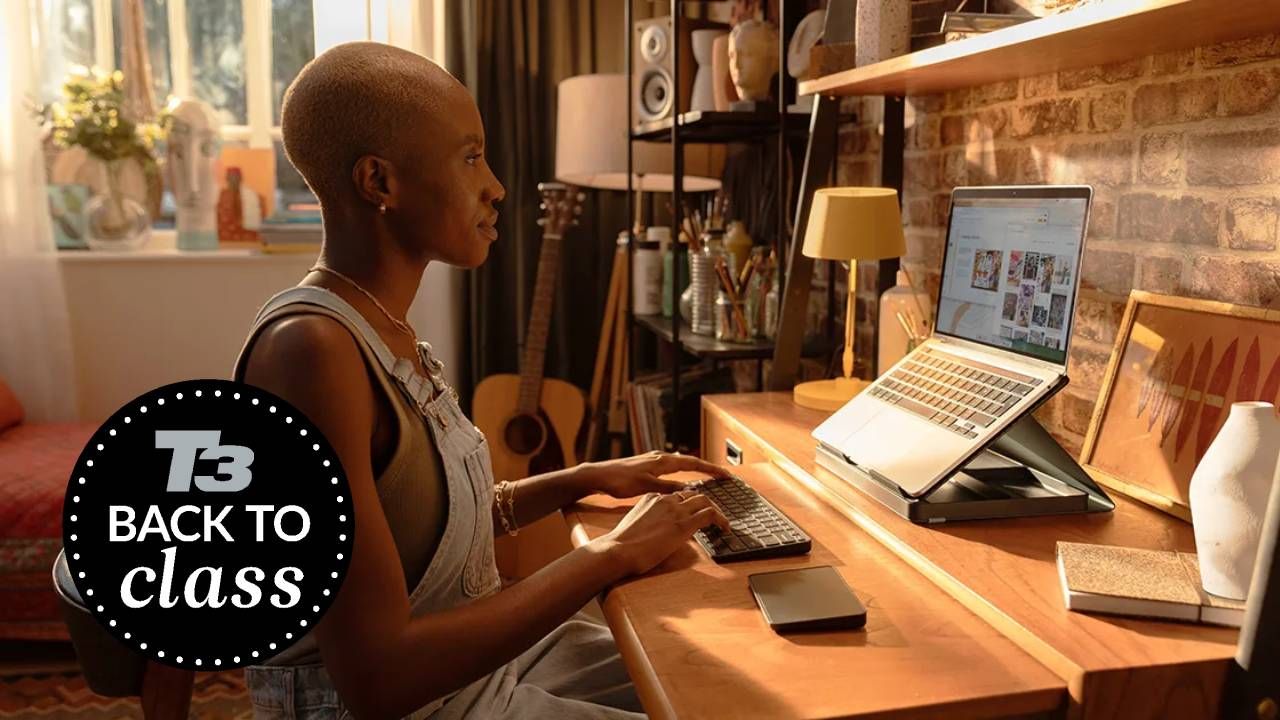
1022,472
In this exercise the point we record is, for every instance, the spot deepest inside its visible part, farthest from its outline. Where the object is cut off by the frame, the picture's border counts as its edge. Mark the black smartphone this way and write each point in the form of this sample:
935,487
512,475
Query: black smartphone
814,598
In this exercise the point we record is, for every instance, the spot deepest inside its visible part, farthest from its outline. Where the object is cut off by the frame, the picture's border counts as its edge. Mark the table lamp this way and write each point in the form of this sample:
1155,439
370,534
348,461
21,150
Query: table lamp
849,224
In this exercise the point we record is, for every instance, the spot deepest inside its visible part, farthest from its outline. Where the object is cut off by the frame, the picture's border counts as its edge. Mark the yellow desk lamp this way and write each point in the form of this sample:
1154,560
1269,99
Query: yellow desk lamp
849,224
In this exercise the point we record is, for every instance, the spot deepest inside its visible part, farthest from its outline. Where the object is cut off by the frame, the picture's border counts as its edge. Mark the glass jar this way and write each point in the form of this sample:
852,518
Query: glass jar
753,293
115,220
770,329
731,319
704,282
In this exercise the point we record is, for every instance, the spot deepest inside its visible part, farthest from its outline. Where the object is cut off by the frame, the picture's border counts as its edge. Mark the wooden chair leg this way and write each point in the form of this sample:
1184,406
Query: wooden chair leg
166,692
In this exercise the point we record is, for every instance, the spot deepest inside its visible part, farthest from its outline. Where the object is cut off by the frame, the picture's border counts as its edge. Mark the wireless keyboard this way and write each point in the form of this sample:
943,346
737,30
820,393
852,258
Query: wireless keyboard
757,528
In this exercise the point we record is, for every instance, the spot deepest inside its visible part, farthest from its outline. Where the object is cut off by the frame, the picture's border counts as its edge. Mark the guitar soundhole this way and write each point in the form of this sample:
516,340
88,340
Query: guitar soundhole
524,434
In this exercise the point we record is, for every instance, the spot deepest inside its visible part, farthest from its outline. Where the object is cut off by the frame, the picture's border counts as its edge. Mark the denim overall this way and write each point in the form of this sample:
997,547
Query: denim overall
566,674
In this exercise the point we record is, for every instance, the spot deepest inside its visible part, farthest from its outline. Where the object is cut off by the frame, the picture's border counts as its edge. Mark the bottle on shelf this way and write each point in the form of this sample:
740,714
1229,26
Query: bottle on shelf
646,272
903,324
738,243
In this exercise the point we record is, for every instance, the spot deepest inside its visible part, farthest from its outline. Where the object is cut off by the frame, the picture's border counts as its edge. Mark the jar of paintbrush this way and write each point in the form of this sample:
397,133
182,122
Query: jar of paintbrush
732,319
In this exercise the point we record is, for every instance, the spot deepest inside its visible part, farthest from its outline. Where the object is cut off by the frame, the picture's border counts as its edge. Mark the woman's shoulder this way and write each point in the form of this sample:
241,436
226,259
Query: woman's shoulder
303,339
307,351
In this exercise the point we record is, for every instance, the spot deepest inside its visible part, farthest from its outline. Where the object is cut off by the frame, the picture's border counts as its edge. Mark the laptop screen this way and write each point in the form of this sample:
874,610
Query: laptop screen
1010,269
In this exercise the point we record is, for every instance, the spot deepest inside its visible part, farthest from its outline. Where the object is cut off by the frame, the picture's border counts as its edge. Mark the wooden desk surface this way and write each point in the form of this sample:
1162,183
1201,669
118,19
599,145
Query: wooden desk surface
697,646
1005,571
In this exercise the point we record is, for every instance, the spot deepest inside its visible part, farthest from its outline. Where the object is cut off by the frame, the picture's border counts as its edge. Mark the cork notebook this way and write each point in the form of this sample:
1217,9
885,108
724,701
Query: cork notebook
1147,583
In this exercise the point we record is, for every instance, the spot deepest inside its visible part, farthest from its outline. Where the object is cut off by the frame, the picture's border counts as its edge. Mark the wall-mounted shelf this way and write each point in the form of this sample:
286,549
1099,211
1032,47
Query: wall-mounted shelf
1092,35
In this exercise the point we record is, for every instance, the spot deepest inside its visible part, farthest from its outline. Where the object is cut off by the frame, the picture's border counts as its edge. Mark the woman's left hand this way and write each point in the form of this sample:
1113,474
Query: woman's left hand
640,474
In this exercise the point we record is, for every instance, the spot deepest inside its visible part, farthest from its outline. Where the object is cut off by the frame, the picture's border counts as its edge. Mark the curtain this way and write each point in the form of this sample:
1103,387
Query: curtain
512,54
35,336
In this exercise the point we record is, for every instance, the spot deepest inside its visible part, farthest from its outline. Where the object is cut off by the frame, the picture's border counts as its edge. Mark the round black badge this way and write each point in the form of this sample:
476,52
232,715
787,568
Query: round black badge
208,525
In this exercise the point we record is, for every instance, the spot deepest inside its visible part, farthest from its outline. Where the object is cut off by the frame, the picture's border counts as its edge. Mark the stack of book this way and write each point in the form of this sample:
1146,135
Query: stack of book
297,229
649,404
1144,583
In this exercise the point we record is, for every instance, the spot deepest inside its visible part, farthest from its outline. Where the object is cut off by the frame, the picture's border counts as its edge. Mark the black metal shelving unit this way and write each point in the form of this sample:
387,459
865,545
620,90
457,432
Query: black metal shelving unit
710,126
707,127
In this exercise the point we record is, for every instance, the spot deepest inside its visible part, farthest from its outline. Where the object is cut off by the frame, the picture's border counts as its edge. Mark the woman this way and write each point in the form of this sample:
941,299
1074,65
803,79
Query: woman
393,147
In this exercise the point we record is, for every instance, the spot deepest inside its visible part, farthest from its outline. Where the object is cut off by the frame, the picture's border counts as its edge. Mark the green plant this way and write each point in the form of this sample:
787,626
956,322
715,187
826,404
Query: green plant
91,116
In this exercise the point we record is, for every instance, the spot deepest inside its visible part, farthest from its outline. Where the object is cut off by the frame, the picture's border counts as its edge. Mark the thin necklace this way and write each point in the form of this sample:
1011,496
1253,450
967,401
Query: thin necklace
400,325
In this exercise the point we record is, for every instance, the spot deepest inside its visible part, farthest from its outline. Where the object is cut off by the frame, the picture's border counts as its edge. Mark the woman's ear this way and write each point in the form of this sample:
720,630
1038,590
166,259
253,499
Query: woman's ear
374,181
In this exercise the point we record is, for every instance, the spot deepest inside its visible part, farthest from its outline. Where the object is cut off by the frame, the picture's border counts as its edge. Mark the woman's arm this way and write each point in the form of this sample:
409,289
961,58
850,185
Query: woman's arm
383,662
539,495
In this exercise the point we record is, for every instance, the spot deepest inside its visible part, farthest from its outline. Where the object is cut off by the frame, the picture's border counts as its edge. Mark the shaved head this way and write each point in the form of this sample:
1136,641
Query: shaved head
360,99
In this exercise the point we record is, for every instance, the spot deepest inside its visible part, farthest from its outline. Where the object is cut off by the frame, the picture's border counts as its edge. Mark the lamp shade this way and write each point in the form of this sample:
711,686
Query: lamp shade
854,223
591,142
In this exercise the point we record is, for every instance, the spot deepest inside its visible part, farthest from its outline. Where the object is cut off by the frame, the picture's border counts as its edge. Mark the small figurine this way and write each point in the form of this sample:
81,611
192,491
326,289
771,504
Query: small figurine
753,62
193,143
240,211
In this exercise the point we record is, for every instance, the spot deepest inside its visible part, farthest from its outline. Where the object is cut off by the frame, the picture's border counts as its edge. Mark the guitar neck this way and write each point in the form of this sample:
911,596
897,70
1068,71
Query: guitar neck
533,361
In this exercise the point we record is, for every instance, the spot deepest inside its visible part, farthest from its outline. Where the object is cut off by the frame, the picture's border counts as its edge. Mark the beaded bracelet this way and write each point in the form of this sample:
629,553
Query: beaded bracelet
507,515
511,508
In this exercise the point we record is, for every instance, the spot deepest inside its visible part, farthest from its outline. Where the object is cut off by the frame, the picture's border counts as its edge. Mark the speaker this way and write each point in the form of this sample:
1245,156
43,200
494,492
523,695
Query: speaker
653,50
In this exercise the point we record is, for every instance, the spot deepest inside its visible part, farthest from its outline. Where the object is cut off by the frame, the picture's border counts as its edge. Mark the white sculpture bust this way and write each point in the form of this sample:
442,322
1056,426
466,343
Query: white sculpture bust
753,58
193,145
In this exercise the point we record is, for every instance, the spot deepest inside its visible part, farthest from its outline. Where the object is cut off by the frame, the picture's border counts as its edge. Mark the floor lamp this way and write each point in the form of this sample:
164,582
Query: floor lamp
591,152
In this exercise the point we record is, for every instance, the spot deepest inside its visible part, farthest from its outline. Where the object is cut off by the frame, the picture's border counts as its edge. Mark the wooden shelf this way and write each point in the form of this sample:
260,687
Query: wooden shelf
1092,35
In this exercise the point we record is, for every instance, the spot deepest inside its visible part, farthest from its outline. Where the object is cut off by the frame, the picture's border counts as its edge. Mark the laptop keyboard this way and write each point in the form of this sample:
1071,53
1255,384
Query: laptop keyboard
958,394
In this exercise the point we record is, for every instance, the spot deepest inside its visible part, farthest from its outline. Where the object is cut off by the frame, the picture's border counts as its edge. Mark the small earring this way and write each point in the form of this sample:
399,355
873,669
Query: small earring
382,208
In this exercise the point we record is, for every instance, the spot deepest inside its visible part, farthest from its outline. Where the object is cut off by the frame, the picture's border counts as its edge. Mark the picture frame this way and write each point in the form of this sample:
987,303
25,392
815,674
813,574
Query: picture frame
1176,367
67,214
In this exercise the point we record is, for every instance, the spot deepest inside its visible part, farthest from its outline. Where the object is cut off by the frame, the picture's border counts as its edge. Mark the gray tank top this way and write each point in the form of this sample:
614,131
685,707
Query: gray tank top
437,449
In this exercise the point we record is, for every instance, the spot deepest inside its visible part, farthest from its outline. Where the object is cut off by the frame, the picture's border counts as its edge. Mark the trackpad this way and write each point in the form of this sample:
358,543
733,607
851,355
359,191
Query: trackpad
907,450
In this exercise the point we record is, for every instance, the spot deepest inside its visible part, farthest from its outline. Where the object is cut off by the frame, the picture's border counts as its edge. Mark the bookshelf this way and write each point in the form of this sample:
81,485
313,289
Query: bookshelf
766,126
1092,35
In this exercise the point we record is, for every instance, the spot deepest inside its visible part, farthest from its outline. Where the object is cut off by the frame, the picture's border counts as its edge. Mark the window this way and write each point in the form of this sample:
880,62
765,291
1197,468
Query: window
156,17
67,39
237,55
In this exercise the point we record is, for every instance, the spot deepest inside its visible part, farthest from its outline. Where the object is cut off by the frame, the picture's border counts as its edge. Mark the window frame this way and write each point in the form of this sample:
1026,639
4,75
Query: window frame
258,132
418,24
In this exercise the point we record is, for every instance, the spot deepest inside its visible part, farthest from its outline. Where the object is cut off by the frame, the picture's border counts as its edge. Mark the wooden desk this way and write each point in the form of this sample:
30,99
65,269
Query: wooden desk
1005,572
697,646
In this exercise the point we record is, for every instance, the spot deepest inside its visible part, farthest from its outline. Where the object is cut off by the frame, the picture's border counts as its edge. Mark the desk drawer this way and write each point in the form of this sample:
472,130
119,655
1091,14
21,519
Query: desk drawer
722,445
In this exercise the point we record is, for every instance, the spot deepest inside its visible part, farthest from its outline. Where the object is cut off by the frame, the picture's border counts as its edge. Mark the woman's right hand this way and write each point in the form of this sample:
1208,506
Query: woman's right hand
657,525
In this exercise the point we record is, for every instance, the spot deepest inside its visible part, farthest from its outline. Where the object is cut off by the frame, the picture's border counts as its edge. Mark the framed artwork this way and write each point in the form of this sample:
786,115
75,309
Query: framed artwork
67,215
1177,366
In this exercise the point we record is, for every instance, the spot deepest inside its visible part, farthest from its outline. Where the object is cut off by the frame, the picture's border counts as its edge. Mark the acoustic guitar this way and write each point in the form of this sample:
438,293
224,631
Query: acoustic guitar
532,422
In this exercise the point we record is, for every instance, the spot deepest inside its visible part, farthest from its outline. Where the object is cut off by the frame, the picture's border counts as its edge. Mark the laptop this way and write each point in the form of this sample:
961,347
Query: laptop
1010,277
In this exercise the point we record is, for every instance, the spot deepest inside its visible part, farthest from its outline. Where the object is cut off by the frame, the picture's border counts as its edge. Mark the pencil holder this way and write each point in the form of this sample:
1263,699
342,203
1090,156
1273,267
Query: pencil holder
703,280
732,322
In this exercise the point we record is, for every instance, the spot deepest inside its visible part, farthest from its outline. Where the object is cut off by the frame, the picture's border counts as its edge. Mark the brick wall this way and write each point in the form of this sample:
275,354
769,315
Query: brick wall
1183,151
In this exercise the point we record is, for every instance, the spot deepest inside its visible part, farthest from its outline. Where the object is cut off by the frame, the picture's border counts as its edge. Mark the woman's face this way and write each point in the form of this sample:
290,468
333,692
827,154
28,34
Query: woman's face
444,190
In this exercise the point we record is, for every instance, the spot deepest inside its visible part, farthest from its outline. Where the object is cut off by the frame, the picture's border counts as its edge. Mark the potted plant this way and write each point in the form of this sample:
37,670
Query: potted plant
90,119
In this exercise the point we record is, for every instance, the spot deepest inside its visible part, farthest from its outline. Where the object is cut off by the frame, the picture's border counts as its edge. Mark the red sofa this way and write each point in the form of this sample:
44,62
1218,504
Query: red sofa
35,463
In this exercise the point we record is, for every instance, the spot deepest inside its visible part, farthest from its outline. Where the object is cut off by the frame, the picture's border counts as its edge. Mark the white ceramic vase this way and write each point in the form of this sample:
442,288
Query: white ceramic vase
882,30
1229,492
704,96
